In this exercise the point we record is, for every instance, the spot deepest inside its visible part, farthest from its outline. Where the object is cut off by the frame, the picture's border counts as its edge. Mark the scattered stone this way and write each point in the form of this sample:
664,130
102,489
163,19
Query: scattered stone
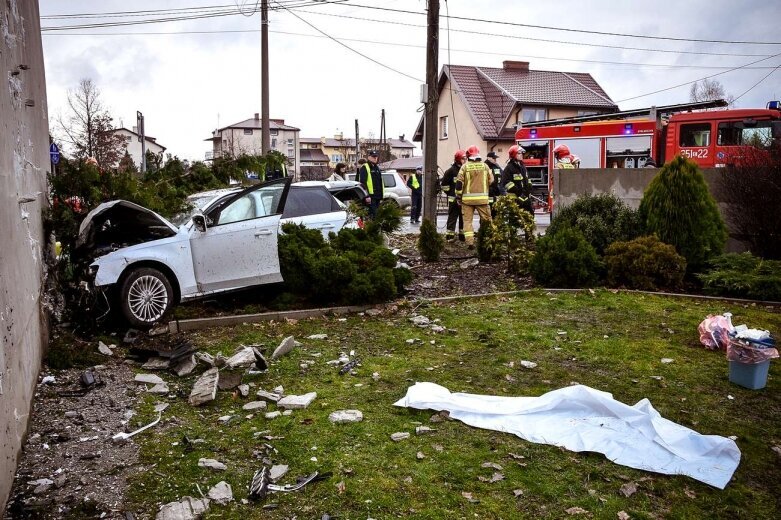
150,379
399,436
528,364
420,321
188,508
373,312
221,493
160,407
776,450
667,360
160,389
277,472
254,405
576,511
517,492
273,415
269,396
225,419
156,363
492,465
103,349
157,330
496,477
205,357
469,497
472,262
345,416
622,515
420,455
376,376
130,336
423,430
212,464
243,390
229,379
244,358
287,412
318,336
205,388
628,489
658,378
279,390
185,366
71,414
297,402
285,347
344,359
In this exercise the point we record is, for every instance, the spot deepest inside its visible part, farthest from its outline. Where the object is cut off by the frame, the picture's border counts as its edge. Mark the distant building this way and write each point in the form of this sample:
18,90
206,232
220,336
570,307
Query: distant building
488,104
133,144
342,149
314,164
405,166
245,137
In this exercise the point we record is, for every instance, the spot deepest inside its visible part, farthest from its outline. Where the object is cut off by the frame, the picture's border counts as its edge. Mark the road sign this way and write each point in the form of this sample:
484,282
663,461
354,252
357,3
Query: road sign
54,153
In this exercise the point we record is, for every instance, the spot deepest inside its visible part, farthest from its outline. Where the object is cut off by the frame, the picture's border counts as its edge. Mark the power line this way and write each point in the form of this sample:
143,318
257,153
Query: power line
147,12
566,29
452,110
757,83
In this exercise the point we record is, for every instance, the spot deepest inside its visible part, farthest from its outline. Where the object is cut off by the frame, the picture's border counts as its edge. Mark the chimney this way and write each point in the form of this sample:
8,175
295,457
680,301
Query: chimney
516,65
135,129
257,116
401,137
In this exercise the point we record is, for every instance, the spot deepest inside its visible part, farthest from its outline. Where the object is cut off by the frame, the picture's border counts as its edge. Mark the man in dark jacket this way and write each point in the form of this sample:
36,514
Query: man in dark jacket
415,185
496,188
370,176
515,180
449,189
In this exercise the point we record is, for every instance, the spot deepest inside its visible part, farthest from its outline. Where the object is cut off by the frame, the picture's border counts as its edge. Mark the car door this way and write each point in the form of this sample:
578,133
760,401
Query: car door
315,208
239,247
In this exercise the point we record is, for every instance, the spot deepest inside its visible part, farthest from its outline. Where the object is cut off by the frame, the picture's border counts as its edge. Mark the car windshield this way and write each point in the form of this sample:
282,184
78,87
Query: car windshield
194,203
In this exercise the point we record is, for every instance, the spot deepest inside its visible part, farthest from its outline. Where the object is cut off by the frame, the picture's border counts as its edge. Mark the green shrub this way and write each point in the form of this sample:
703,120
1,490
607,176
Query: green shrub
488,247
603,219
565,259
678,208
645,263
509,236
430,243
350,268
387,219
743,276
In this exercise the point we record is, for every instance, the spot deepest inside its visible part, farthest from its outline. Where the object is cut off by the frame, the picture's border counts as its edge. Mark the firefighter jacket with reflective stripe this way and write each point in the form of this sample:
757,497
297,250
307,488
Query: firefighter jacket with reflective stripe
565,165
371,177
414,182
472,183
495,189
516,181
449,182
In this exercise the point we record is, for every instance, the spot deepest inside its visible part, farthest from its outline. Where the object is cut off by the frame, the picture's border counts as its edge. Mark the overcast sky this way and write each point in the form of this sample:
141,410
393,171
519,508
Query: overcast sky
190,80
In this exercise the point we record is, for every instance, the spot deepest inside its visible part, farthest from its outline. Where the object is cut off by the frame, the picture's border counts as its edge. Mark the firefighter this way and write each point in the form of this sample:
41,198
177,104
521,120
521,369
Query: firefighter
472,184
516,179
414,183
370,176
449,189
496,188
562,157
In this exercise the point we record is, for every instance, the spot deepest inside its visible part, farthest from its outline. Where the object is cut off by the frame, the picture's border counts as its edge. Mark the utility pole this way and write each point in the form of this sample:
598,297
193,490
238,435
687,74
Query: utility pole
357,145
265,139
142,138
384,155
430,125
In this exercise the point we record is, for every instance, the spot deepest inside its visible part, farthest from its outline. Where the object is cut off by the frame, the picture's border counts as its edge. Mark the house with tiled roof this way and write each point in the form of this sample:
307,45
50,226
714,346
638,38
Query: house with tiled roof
340,149
485,105
245,137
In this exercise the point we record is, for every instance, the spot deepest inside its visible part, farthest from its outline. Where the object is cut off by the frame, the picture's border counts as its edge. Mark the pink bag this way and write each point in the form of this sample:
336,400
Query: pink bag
714,332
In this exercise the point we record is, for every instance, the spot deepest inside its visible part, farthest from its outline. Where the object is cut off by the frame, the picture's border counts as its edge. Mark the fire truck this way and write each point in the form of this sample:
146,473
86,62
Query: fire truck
629,139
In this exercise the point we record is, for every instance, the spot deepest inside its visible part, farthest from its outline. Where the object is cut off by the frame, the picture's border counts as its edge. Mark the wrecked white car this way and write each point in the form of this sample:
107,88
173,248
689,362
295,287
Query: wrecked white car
229,244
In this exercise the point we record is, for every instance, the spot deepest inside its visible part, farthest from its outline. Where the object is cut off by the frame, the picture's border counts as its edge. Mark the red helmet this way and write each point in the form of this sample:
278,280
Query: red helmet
561,151
473,151
460,155
515,150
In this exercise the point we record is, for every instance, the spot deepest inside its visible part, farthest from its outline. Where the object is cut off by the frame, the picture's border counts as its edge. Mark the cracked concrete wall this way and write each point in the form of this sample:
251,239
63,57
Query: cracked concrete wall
24,162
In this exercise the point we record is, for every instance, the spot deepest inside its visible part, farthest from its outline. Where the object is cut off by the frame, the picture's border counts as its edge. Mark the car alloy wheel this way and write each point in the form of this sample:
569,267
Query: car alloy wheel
148,298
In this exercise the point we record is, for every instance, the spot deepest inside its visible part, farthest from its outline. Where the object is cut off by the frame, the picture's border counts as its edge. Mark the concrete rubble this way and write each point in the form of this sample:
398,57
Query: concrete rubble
103,349
285,347
345,416
159,389
245,358
229,379
273,415
243,390
318,336
205,388
254,405
156,363
188,508
528,364
297,402
212,464
399,436
148,379
185,366
205,358
277,472
221,493
271,397
420,321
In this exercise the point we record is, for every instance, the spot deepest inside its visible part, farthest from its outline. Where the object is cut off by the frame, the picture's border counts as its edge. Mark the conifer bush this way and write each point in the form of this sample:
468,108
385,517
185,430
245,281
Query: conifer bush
565,259
645,263
743,276
678,208
430,243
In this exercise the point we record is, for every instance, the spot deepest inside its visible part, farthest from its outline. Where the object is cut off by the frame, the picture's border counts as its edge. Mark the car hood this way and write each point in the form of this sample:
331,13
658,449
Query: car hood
122,222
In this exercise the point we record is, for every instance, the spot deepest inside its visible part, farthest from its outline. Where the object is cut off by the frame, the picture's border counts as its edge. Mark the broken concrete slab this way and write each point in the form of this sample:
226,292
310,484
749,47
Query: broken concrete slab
472,262
297,402
206,358
243,390
161,389
150,379
277,472
185,366
156,363
273,415
285,347
254,405
221,493
345,416
528,364
205,388
420,321
318,336
212,464
244,358
399,436
188,508
229,379
103,349
271,397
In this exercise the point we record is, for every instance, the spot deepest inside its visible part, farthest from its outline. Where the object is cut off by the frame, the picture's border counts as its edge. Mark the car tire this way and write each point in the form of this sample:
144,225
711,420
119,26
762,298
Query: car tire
146,296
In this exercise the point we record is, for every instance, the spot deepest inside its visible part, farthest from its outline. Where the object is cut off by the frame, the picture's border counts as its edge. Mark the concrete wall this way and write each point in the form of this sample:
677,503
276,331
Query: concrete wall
24,161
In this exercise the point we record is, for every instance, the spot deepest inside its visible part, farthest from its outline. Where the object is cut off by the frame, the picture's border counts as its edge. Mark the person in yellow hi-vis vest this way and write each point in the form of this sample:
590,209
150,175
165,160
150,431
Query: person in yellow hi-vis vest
472,184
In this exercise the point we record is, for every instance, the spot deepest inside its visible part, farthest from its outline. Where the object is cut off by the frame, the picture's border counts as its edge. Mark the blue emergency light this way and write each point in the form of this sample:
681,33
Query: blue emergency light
774,105
628,128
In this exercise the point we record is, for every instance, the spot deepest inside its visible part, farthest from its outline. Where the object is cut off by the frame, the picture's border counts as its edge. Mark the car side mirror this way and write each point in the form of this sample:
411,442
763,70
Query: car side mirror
199,220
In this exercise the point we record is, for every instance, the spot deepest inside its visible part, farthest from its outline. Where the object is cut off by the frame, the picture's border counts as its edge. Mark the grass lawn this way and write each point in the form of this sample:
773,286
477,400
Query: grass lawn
613,342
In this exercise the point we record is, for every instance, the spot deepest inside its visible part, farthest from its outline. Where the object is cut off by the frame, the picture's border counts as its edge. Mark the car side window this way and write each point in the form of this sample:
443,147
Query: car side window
240,209
261,202
388,180
308,201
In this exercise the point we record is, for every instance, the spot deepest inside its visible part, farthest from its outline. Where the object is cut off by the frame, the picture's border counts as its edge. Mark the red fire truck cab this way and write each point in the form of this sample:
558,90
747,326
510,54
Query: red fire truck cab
710,138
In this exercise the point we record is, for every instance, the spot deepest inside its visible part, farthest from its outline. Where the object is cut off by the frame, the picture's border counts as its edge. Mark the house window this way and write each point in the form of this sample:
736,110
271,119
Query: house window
443,127
587,113
337,157
290,142
273,132
696,134
248,131
274,143
530,115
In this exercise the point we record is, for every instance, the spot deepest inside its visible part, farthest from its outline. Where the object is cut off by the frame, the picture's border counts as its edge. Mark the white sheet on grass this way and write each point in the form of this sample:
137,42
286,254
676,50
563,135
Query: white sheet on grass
580,418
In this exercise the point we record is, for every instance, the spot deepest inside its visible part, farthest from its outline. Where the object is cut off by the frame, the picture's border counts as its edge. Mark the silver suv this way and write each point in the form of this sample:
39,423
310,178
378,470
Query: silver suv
395,188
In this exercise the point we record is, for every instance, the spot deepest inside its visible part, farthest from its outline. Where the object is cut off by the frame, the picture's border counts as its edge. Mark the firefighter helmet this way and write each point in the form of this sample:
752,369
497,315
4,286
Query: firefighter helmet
561,151
515,150
460,155
473,151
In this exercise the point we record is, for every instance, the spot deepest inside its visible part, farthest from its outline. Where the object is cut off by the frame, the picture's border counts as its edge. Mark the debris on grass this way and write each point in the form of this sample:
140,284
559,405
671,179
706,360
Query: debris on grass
622,515
156,363
492,465
148,379
469,497
399,436
423,430
212,464
188,508
271,397
229,379
420,455
273,415
285,347
205,388
277,472
221,493
254,405
345,416
667,361
420,321
576,511
103,349
247,357
517,492
528,364
628,489
297,402
318,336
